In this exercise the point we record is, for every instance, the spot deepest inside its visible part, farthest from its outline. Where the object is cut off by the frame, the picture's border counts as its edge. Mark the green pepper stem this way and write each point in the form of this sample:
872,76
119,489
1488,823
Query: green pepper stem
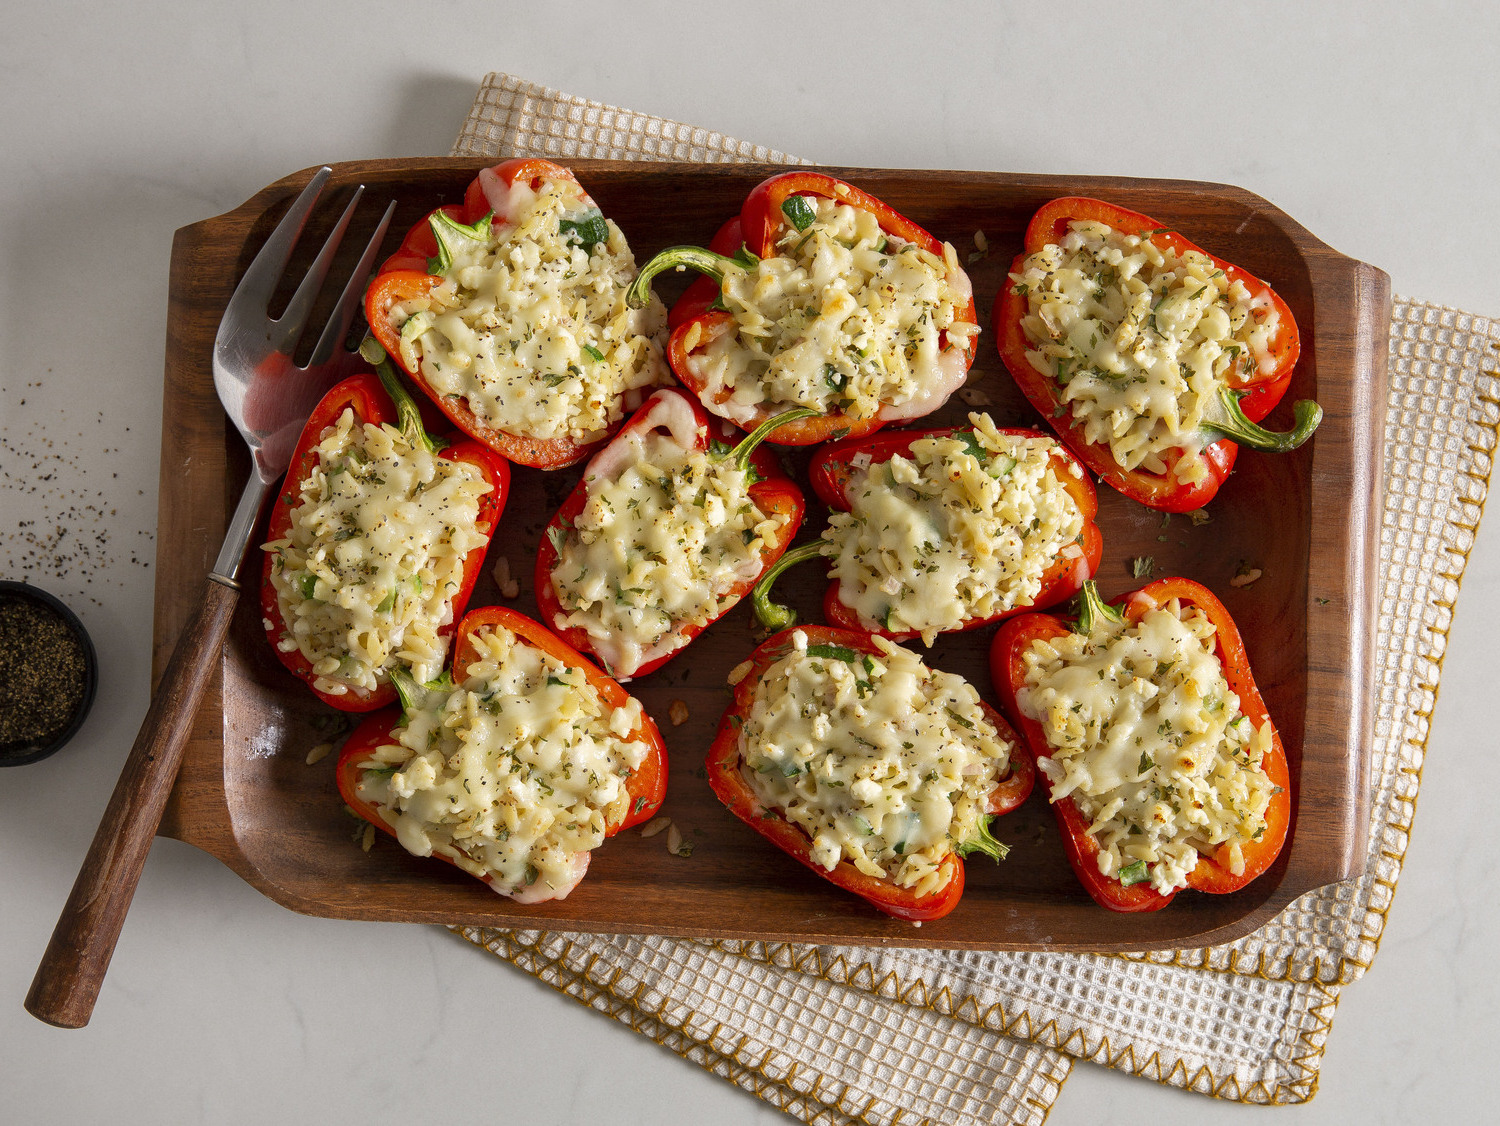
408,416
983,841
741,453
1238,428
1092,608
442,225
407,689
773,615
638,296
413,694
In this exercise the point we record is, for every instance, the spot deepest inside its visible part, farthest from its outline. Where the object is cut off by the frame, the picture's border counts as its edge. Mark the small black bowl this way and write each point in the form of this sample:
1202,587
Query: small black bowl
18,752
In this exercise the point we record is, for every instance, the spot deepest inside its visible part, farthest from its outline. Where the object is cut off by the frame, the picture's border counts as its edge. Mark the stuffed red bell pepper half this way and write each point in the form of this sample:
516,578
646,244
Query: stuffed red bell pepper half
946,529
515,768
1164,769
667,530
823,297
375,542
1151,358
509,311
877,772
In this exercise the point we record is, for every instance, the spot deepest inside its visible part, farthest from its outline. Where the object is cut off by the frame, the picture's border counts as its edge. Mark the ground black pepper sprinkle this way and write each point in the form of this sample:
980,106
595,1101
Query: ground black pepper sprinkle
43,674
63,531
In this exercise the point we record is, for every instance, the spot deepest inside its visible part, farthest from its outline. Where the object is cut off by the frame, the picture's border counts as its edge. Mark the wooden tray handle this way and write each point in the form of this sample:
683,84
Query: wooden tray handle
67,981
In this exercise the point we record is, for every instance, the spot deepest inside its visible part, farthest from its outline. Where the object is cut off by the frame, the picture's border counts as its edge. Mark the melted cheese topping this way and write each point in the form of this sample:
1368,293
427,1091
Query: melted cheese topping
657,549
366,576
1150,743
530,326
883,761
963,528
845,318
514,776
1140,339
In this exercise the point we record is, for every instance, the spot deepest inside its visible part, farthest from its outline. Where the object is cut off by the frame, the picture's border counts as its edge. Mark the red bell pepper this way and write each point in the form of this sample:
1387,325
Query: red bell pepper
1211,874
378,400
675,415
647,783
727,779
832,474
1244,400
698,318
408,275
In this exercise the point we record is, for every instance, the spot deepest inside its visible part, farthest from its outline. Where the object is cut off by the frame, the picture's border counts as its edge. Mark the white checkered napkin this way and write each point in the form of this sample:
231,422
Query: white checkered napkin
822,1052
1243,1021
520,118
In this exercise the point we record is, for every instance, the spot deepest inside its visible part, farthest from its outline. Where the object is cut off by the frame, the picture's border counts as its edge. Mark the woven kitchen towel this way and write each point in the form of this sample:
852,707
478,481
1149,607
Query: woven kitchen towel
816,1049
1244,1021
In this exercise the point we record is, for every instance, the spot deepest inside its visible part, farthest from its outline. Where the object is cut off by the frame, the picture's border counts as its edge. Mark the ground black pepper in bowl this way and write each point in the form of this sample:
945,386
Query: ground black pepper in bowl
47,674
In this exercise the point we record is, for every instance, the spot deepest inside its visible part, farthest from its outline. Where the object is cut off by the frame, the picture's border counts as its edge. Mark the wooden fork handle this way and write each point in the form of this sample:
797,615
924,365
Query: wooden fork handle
68,979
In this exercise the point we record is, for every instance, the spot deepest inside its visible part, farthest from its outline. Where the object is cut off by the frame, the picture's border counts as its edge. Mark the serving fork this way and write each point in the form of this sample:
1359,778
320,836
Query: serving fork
269,398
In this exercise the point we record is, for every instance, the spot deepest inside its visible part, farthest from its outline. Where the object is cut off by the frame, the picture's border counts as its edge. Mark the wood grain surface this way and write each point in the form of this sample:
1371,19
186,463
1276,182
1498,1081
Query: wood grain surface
1307,519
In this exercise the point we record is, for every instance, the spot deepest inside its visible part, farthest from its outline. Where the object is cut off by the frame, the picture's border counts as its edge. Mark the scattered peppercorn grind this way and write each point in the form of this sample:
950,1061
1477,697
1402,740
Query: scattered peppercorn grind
47,674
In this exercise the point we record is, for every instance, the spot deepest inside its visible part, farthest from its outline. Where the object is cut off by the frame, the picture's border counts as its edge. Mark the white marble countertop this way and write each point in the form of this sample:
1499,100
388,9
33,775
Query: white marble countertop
1379,131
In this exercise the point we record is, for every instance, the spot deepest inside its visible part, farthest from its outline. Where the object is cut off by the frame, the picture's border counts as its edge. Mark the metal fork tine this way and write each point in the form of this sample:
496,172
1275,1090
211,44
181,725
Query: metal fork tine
253,294
294,317
354,289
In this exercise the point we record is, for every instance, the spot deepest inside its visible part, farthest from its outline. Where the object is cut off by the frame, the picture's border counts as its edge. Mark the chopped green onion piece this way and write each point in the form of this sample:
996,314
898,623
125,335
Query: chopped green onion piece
972,446
588,230
798,212
834,653
958,719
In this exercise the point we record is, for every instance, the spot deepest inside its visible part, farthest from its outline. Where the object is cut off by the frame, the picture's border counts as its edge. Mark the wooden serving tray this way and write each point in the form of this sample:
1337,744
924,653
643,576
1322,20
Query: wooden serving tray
1308,520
